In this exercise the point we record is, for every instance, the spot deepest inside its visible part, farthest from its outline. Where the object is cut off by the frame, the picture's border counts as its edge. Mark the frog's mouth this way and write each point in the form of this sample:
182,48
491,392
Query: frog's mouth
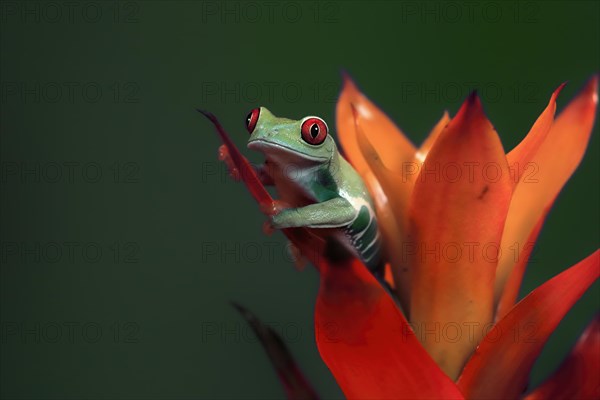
275,150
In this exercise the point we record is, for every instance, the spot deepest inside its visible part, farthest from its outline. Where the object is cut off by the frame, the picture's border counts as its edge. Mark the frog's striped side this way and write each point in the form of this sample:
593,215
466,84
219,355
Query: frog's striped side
363,233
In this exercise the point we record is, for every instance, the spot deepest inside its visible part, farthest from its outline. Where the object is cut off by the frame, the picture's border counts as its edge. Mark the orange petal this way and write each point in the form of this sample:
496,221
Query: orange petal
391,213
388,140
552,165
367,344
421,154
577,376
386,219
500,368
389,143
520,156
511,289
456,220
398,187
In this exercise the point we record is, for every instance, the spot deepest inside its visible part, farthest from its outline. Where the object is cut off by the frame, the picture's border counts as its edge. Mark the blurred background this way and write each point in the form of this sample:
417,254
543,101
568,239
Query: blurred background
123,240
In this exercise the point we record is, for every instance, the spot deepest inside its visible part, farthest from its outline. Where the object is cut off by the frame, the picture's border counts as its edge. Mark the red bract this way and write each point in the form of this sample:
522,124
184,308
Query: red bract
372,348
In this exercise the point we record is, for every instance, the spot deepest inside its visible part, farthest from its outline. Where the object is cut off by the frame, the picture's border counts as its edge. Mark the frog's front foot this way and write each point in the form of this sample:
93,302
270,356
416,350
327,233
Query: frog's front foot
268,227
274,208
226,158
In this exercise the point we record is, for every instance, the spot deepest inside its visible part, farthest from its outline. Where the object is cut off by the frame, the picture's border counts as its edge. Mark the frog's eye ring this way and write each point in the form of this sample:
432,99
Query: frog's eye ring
314,131
252,119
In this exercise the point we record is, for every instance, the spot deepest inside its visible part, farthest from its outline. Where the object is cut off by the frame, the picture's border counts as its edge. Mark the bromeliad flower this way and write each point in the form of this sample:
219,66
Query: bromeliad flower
448,213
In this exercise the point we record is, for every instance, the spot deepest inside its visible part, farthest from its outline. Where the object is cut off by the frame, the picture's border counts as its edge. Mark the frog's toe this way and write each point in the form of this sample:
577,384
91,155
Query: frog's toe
274,207
268,228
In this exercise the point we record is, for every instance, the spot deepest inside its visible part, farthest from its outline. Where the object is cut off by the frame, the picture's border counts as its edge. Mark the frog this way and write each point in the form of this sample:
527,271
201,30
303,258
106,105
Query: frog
317,187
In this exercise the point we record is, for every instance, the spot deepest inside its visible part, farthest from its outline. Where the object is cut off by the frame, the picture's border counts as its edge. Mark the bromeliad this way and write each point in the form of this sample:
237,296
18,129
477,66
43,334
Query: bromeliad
462,306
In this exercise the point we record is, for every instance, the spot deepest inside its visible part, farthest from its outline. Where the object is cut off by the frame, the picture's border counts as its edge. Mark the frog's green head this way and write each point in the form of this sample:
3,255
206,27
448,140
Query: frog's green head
306,141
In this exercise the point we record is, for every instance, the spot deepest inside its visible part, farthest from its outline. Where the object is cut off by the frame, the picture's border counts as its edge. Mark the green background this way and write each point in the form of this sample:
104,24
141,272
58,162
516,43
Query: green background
149,315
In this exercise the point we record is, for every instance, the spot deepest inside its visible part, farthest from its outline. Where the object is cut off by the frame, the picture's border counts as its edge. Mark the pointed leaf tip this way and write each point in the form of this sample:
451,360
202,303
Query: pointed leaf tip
207,114
294,382
558,90
346,79
473,96
244,312
577,377
471,108
388,140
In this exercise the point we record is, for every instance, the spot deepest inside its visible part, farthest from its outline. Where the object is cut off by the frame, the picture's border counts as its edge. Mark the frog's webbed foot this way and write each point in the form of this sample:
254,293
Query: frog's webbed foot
274,208
271,210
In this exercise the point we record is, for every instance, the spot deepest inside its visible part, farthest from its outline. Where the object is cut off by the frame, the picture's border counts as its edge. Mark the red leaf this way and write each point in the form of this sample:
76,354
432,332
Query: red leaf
577,377
295,384
501,365
367,343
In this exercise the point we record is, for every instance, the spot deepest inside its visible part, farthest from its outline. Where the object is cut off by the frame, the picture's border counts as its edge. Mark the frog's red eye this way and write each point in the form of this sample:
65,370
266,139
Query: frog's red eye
314,131
252,119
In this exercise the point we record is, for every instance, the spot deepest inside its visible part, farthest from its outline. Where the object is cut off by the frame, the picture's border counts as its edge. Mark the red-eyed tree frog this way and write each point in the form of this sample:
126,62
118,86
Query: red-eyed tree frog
317,186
